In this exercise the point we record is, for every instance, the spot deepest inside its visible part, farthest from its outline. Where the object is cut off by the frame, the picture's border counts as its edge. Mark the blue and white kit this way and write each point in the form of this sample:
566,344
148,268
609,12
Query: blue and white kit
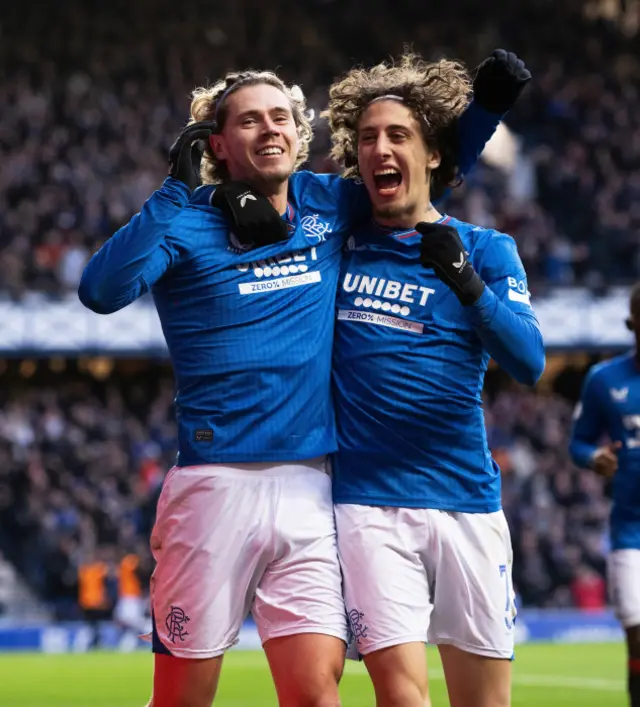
610,405
424,545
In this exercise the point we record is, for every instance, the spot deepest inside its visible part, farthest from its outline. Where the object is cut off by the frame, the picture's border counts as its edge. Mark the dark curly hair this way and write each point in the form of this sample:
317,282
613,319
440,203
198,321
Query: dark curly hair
436,92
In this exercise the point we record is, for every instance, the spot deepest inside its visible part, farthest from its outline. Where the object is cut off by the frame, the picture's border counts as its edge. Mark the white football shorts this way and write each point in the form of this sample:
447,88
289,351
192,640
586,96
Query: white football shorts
238,538
623,571
429,576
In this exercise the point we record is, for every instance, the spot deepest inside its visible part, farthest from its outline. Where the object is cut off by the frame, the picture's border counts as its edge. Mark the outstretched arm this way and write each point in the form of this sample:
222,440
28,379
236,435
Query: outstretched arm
499,81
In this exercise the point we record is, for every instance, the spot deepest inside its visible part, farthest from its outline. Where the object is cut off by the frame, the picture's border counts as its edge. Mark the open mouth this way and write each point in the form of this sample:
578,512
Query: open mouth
387,181
270,152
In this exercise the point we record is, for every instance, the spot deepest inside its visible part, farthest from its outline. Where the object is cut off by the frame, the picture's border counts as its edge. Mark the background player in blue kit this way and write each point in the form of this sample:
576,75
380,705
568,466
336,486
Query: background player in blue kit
610,405
424,301
245,519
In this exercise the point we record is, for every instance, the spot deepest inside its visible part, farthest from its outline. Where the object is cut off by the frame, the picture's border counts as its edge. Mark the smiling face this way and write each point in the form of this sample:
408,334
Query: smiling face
395,163
259,140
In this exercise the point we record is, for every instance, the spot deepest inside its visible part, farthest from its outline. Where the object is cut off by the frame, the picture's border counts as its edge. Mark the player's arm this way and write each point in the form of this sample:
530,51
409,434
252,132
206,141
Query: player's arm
499,81
589,425
138,254
496,298
502,316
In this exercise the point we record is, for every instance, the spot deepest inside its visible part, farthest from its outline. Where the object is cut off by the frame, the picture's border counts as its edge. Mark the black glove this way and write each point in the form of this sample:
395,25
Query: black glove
251,217
442,250
499,81
186,153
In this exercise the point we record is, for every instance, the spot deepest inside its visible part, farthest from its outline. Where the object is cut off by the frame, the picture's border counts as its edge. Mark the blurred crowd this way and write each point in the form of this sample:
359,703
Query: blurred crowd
93,93
81,467
558,514
82,462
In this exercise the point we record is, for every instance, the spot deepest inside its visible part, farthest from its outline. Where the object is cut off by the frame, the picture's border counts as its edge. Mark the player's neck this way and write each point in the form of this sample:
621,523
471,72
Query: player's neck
279,200
275,193
424,212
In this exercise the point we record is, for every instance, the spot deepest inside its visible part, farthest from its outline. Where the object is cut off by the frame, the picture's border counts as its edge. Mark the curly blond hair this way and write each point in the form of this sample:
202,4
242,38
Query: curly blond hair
436,92
206,104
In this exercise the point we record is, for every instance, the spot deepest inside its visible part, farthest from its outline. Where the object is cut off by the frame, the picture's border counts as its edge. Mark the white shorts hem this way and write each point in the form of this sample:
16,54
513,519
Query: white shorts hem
199,654
629,622
476,650
295,630
390,642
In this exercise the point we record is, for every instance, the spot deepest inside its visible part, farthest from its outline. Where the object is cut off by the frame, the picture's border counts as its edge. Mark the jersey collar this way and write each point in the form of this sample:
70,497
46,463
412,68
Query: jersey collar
289,217
408,236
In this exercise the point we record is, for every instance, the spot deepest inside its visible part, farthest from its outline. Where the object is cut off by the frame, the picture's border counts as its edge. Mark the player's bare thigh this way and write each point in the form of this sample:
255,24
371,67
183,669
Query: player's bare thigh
399,675
306,669
184,682
475,680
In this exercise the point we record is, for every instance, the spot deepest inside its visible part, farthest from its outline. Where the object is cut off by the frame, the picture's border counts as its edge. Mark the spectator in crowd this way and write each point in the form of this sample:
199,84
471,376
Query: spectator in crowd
95,590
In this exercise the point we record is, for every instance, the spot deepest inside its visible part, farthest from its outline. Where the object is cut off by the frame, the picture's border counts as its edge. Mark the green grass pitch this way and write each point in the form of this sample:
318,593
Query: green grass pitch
550,675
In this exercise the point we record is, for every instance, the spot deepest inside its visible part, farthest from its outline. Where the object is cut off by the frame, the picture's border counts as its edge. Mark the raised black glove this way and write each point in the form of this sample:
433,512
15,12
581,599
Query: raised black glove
442,250
251,217
186,153
499,81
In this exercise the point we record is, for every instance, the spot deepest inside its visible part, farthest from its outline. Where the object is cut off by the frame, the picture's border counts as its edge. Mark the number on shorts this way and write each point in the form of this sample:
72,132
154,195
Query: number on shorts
507,619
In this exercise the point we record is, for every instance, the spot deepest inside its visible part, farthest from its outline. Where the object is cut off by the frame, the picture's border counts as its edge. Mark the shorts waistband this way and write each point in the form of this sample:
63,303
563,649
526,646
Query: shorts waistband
272,470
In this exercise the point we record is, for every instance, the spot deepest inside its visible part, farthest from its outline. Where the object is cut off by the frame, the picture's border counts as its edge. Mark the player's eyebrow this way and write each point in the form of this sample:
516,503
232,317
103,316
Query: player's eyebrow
386,128
401,128
253,113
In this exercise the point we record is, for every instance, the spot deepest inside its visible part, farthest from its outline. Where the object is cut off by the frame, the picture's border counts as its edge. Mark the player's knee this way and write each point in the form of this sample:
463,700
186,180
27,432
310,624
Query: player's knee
312,693
402,693
318,689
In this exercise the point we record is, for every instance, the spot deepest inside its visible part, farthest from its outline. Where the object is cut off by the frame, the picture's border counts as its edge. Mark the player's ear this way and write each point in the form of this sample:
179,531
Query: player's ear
434,158
216,143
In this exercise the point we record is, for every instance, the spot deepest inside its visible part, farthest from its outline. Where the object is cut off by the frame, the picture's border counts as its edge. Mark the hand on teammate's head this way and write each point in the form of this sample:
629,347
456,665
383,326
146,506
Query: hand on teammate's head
186,152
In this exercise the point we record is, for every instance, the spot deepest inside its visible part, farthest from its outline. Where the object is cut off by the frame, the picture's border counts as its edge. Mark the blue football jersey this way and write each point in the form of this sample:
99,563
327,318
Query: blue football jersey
409,365
249,333
610,405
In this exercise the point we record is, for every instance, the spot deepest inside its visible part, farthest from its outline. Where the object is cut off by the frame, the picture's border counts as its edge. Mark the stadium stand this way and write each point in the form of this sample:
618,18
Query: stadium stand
90,101
90,109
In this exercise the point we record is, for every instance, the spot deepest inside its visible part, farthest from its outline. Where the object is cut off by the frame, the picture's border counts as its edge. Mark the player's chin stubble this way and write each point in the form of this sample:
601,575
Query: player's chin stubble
272,179
392,211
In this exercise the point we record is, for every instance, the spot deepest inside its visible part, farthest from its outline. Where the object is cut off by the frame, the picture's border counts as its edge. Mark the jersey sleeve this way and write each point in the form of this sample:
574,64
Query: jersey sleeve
589,423
137,255
503,317
475,128
502,270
